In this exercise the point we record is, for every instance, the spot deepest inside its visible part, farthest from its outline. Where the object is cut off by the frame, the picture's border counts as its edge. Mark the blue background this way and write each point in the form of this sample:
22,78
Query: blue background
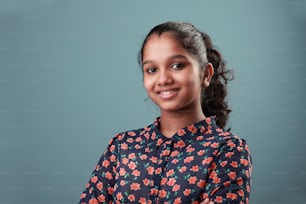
69,80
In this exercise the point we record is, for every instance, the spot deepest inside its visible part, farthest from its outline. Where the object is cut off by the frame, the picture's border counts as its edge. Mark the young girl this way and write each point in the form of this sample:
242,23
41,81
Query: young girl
184,156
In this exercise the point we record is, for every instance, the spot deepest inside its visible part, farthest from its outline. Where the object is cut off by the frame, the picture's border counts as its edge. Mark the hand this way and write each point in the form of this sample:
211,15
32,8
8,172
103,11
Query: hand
207,201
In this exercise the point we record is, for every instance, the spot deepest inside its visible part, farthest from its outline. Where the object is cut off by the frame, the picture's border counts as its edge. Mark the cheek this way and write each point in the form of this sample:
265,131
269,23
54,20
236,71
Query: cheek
193,82
188,80
147,83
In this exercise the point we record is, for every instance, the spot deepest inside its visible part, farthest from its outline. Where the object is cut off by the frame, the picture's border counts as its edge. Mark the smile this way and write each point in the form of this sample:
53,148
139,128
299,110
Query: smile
167,94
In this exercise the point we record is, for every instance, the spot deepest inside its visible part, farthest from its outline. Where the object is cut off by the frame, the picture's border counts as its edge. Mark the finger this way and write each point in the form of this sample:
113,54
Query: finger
206,201
211,202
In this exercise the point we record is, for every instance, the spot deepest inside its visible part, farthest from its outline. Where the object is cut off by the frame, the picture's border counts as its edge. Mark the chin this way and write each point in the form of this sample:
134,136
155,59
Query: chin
171,109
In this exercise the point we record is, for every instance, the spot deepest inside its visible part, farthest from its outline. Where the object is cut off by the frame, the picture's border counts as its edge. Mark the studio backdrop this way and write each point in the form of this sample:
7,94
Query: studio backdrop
69,81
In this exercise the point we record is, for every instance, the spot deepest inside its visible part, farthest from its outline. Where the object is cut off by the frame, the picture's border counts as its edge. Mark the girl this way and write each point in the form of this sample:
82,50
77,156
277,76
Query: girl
184,156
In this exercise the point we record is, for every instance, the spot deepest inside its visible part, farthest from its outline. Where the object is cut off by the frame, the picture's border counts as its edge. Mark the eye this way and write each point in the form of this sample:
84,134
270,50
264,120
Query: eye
151,70
177,66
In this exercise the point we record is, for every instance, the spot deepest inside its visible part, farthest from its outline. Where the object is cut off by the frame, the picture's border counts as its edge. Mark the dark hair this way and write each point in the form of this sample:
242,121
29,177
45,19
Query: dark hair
200,46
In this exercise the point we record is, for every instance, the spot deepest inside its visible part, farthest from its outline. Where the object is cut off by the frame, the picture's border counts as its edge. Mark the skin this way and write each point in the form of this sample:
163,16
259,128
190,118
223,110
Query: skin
173,80
207,201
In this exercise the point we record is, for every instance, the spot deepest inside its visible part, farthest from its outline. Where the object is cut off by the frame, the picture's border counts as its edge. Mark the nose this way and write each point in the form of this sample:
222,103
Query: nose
164,77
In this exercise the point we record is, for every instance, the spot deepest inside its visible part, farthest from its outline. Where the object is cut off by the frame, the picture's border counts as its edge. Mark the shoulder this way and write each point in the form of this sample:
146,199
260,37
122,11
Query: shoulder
132,134
215,134
228,141
235,143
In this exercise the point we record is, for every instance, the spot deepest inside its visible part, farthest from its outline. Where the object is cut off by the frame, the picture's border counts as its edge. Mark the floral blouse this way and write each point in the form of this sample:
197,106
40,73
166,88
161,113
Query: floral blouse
200,161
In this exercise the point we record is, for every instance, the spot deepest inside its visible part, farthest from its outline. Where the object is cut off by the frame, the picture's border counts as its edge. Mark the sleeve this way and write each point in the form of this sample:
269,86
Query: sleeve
230,174
100,187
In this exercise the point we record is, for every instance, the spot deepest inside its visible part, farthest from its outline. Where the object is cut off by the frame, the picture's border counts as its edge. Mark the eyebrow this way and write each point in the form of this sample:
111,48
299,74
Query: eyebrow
171,58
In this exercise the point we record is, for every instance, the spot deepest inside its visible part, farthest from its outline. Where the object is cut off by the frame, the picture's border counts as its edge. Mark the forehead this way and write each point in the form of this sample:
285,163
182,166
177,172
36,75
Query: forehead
163,44
164,36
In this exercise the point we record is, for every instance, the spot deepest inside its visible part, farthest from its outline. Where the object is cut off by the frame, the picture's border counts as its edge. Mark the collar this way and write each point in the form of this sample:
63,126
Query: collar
196,131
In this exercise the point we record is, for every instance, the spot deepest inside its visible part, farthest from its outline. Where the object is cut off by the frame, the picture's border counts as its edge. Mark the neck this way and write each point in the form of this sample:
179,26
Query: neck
171,122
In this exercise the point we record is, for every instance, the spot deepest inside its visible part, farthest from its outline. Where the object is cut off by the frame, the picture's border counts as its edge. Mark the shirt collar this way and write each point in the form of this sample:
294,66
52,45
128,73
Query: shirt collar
189,133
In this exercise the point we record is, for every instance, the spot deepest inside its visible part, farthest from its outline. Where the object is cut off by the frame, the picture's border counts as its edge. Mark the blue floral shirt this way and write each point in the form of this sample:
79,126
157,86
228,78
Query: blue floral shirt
200,161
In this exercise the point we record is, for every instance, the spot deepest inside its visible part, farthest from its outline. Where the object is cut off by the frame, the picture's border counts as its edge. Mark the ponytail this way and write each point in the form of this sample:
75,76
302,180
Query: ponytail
214,96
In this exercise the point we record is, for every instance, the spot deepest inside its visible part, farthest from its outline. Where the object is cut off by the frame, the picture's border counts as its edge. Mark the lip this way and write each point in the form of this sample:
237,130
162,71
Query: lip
167,94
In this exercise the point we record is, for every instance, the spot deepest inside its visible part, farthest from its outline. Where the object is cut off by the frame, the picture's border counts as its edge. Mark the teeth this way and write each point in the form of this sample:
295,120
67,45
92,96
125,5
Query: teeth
165,92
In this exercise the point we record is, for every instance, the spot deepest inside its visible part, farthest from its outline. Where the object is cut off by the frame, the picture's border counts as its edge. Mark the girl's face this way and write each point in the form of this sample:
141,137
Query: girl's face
172,77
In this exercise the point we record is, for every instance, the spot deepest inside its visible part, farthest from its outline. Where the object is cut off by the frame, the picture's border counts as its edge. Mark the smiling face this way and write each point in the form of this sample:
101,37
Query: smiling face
172,77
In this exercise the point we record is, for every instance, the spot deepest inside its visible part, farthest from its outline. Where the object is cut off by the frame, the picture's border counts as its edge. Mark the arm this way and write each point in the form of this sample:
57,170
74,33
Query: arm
99,188
229,179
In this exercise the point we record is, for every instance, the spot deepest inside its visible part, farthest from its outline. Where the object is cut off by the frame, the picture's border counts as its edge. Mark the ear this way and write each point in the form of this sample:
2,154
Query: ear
208,73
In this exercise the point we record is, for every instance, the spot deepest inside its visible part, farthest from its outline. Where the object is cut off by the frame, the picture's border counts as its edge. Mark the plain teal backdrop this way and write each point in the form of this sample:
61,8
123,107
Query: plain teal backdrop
69,80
